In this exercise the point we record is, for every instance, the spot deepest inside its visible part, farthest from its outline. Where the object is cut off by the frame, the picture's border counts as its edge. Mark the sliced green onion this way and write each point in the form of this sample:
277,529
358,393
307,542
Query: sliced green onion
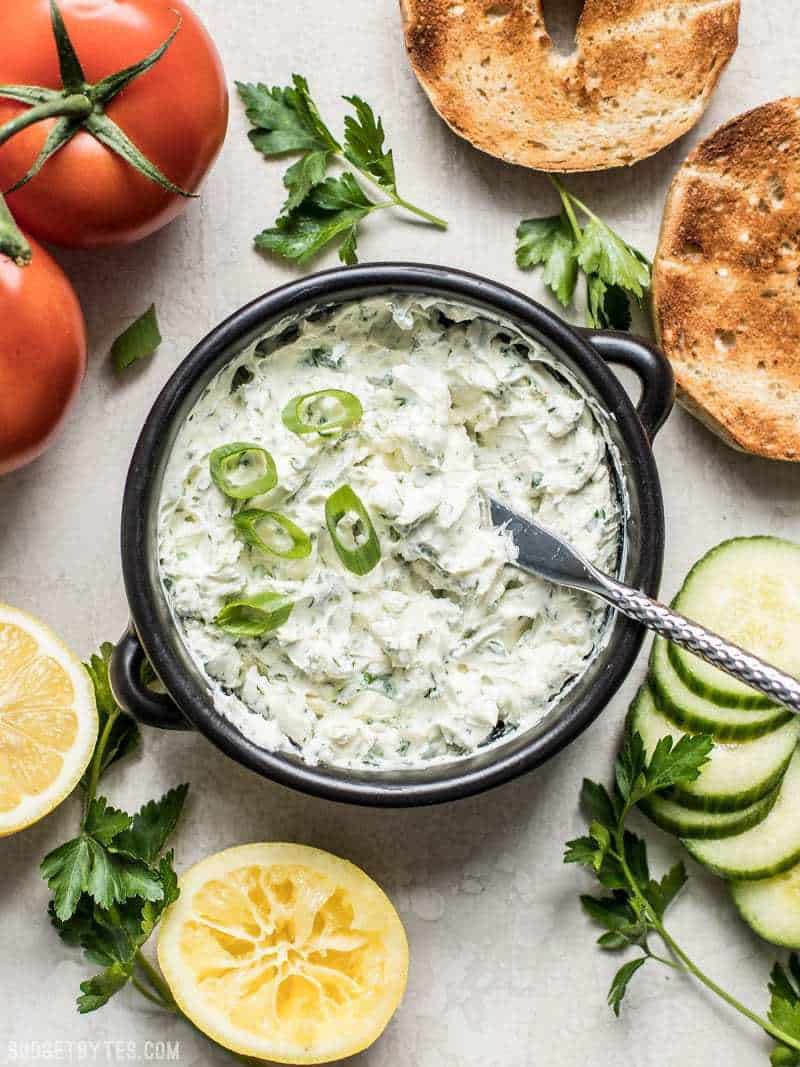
363,552
229,462
250,527
347,411
255,615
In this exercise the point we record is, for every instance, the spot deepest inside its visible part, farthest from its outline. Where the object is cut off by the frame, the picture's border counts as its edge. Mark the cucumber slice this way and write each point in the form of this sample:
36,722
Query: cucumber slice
748,590
699,715
772,907
673,817
736,775
768,849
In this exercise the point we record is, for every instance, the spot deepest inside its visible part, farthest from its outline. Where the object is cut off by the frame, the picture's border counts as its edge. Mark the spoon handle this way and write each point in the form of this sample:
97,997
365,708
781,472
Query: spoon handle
748,668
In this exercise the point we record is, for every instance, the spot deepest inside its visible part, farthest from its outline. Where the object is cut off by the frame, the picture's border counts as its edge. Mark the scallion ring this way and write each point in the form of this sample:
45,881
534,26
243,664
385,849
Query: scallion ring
272,532
230,462
325,412
254,616
351,531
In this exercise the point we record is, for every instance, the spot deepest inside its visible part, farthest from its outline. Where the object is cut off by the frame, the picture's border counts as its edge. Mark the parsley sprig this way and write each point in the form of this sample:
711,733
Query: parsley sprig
319,208
784,1012
615,271
111,883
632,912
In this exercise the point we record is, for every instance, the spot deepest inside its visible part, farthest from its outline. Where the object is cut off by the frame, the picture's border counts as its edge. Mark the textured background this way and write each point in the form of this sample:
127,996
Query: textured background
503,967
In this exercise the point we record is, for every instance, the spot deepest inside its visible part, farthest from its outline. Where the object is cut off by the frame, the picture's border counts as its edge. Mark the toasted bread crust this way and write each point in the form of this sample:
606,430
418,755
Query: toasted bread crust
726,293
640,76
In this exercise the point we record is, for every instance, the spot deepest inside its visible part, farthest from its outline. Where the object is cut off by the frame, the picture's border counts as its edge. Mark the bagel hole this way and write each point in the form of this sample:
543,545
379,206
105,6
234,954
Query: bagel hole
561,17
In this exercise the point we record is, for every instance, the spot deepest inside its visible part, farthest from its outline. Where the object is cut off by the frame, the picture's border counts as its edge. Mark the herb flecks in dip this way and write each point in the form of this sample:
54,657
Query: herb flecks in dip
442,644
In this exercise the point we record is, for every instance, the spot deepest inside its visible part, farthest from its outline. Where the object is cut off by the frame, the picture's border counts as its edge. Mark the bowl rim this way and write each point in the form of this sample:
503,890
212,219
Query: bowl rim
341,285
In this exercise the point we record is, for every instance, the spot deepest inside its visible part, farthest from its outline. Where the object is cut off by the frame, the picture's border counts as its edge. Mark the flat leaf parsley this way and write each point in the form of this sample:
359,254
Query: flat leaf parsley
319,209
631,913
112,883
615,271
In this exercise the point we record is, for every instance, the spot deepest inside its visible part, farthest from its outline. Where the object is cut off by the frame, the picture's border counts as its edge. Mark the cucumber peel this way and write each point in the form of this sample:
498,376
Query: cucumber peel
747,590
735,776
772,907
766,850
674,818
698,714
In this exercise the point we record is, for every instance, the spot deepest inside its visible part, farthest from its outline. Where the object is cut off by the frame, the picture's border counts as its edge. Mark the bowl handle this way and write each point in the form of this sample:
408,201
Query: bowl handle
133,695
651,367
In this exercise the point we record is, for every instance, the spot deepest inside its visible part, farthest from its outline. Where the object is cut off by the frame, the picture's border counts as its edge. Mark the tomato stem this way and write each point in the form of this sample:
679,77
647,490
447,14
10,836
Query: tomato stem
80,106
12,239
76,106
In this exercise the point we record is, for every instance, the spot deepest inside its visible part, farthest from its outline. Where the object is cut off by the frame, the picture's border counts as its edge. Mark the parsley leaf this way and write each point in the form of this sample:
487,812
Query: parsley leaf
285,120
784,1011
672,763
333,208
661,894
550,241
629,767
364,140
89,865
97,991
603,252
301,178
146,835
321,210
115,934
602,807
104,822
619,986
679,762
620,920
585,851
615,271
340,194
66,870
607,305
636,858
305,233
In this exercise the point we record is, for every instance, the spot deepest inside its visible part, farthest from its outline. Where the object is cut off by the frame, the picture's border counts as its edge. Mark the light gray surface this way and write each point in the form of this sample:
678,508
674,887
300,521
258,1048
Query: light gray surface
503,972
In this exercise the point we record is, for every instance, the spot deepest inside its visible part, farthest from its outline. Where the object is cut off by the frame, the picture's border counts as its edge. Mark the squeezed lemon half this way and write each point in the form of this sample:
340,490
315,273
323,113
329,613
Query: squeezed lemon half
48,720
285,953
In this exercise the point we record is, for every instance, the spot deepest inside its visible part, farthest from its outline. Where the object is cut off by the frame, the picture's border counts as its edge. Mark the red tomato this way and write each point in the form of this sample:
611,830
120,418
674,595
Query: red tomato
42,355
176,113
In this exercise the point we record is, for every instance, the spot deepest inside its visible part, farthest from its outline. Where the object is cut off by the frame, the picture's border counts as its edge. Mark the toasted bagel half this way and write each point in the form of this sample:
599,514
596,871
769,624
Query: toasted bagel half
726,281
640,76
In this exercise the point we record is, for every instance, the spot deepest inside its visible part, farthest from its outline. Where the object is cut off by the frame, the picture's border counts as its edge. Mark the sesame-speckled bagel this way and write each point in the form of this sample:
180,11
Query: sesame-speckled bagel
726,297
640,76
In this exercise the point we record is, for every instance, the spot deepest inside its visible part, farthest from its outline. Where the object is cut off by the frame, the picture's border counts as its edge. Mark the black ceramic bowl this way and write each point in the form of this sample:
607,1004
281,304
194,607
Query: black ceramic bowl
187,702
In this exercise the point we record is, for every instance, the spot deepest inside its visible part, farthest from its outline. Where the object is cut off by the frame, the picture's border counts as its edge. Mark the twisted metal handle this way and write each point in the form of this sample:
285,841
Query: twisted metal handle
749,669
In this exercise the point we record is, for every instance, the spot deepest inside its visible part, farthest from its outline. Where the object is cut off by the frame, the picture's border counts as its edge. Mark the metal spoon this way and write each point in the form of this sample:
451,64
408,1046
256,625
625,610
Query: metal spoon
547,555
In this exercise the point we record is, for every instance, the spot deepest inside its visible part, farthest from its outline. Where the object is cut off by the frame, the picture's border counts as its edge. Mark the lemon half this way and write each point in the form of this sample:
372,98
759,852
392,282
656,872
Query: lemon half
285,953
48,720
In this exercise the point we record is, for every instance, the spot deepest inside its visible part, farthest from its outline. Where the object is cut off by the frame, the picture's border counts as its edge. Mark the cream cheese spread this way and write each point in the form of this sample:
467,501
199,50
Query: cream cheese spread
443,647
